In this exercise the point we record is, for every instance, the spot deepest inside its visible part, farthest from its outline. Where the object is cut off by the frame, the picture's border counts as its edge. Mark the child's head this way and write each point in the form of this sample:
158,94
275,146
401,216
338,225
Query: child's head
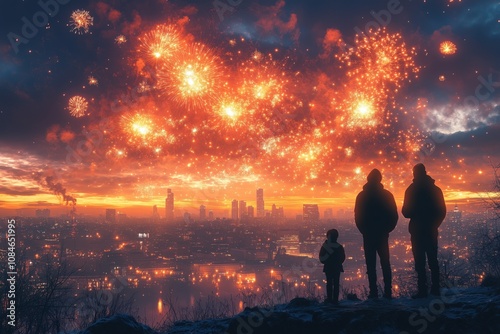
332,234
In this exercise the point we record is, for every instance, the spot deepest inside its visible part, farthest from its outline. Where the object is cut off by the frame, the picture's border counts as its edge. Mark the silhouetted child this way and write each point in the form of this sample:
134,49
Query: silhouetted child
332,255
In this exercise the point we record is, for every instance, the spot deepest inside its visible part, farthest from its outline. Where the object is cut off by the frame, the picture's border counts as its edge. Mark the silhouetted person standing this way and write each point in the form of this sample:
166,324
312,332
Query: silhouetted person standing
376,215
332,255
424,205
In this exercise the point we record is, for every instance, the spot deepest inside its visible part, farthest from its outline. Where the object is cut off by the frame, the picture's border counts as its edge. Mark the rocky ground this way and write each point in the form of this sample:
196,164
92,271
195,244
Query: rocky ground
456,311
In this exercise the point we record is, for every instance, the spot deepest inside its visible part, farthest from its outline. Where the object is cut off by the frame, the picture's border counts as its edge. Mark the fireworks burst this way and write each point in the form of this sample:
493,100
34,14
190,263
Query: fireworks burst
81,21
232,107
77,106
93,81
146,130
143,87
376,67
120,39
447,48
162,43
193,77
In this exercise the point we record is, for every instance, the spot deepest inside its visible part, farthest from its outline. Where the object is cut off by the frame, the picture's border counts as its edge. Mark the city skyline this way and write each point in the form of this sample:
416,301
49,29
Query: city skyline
237,212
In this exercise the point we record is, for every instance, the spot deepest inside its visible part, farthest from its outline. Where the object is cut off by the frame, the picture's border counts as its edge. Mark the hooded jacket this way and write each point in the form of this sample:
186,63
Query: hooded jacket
332,255
375,212
424,205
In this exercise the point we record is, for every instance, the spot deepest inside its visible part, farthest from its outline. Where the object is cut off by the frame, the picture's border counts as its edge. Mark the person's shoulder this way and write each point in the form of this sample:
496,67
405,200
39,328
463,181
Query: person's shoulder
437,188
361,193
360,196
387,192
410,187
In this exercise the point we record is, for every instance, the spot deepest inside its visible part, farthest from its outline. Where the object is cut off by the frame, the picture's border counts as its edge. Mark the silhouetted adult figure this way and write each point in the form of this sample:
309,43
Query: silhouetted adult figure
376,215
424,205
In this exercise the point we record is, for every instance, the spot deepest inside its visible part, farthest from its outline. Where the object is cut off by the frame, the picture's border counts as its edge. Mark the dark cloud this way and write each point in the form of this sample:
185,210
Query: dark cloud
18,191
41,204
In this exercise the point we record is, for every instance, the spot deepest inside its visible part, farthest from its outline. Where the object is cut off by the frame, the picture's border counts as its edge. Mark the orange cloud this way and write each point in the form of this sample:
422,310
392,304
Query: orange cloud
67,136
330,41
105,10
271,22
114,15
51,135
188,10
130,28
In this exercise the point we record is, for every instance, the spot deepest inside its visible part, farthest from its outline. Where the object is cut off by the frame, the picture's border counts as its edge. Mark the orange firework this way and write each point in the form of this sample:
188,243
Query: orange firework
93,81
264,86
161,43
231,112
447,48
191,78
77,106
120,39
145,130
81,21
376,67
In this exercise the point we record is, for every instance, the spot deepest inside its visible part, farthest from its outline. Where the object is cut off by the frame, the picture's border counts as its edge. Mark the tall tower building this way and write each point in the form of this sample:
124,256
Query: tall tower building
456,215
156,215
234,210
243,209
260,203
169,206
203,212
250,211
310,212
277,213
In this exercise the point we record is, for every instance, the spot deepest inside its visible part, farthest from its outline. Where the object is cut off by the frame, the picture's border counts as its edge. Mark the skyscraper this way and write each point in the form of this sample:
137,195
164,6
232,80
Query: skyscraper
234,210
250,212
203,212
243,209
156,215
456,215
277,213
260,203
169,206
310,212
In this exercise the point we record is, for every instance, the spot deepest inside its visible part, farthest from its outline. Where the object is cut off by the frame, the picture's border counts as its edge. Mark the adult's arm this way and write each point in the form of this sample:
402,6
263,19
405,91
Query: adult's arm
408,203
441,207
359,216
342,254
392,212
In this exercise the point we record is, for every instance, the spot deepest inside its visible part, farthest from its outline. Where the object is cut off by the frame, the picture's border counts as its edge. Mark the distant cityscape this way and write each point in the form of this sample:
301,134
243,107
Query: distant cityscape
255,252
239,211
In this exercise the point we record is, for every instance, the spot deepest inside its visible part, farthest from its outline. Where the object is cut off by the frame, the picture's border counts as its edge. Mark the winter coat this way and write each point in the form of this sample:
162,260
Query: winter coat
332,255
375,212
424,205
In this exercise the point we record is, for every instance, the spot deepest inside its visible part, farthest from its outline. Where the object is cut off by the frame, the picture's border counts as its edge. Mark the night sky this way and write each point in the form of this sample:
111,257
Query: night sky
301,98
